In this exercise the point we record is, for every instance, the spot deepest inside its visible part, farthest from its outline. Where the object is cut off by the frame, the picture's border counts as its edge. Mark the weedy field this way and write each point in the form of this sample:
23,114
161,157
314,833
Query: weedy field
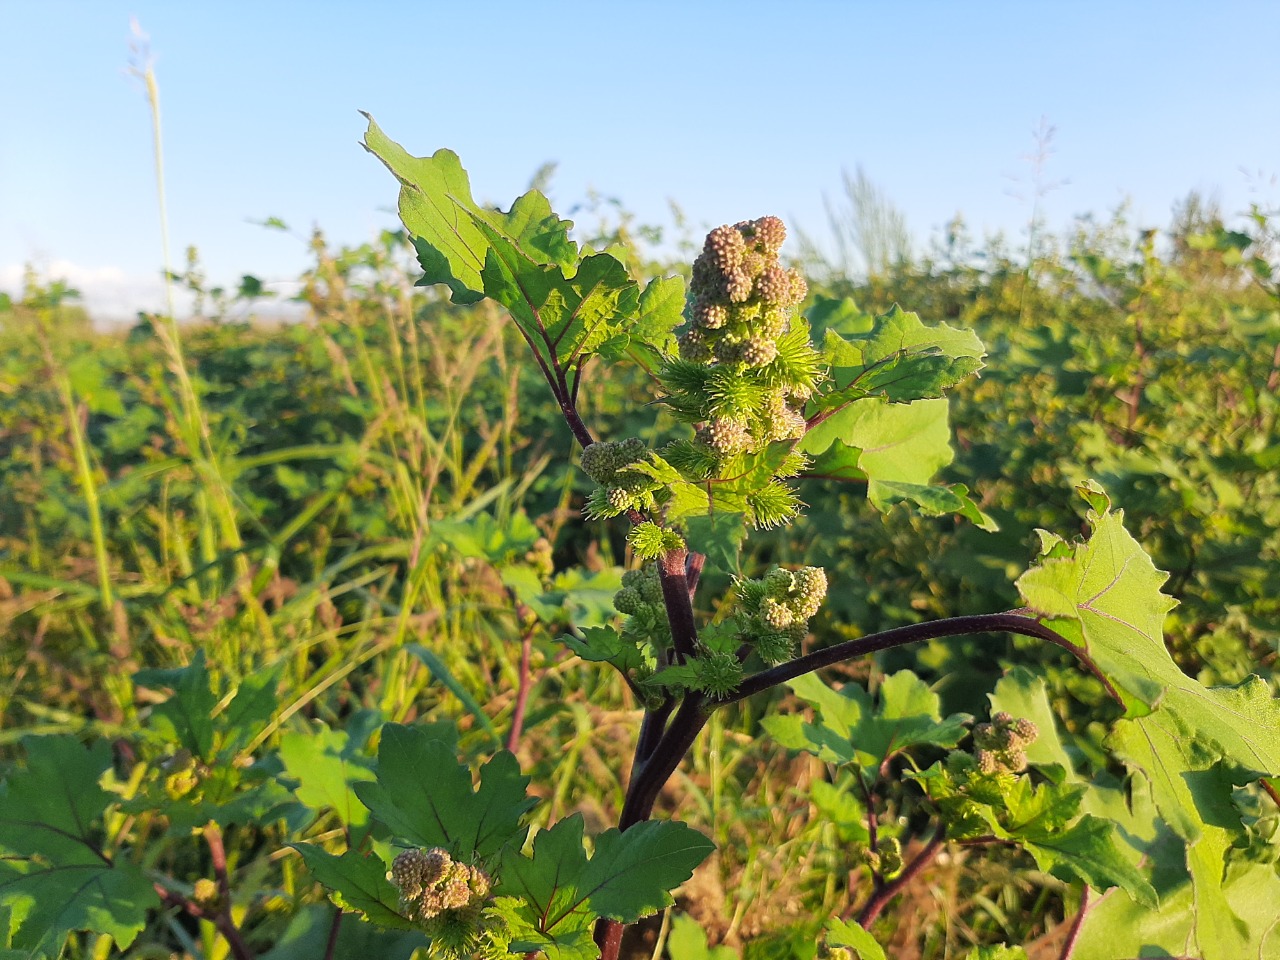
232,551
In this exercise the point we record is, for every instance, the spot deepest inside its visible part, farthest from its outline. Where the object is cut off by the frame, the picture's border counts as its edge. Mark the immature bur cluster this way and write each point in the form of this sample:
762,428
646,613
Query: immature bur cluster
746,365
620,489
777,609
641,600
432,883
1000,746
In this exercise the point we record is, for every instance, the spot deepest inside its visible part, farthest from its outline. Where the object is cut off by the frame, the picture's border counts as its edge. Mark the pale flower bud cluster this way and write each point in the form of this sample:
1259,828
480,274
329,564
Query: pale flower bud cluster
778,608
431,882
1000,746
743,309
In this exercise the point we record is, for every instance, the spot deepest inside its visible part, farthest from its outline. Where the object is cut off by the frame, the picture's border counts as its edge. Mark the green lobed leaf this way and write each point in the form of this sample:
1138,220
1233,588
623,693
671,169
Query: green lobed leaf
357,881
250,709
568,318
1042,819
661,311
842,933
688,941
186,718
50,901
558,891
54,877
424,795
898,359
605,645
872,439
854,726
327,767
897,449
632,873
718,537
844,316
1116,926
452,233
1188,743
1021,693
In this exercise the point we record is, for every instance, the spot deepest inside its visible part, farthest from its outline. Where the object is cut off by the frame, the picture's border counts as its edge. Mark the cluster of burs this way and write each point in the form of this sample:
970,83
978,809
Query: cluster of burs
771,618
1000,746
620,489
640,600
774,611
746,364
447,899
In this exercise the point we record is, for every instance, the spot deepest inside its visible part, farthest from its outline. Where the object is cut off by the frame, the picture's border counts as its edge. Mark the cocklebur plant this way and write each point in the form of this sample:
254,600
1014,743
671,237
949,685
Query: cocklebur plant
762,404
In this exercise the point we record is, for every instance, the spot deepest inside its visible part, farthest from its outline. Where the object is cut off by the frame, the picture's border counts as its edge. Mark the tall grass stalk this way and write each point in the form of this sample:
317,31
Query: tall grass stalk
196,436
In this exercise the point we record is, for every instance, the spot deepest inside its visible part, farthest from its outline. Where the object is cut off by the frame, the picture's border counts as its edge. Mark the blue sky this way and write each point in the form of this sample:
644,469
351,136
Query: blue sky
733,110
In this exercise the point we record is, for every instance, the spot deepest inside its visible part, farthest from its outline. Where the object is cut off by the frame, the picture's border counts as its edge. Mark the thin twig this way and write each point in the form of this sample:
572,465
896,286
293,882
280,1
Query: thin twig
332,943
239,949
522,693
1076,925
880,899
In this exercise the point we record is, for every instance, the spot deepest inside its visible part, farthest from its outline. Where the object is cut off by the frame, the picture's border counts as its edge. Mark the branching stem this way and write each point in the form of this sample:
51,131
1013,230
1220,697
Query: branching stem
913,633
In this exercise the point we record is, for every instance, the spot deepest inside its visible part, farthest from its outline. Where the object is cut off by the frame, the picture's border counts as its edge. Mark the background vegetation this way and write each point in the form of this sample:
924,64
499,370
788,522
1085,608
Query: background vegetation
376,506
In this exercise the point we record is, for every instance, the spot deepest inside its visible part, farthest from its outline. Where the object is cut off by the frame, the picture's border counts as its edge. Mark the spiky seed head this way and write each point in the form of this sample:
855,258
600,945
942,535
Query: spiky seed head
694,347
706,278
718,672
650,586
811,590
778,583
413,870
776,648
987,762
627,600
1026,730
983,736
480,883
773,322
